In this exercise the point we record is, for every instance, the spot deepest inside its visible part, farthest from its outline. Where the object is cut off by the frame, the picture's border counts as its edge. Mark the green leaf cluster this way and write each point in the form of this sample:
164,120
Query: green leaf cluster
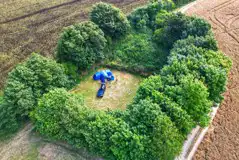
28,82
175,26
81,45
110,19
144,17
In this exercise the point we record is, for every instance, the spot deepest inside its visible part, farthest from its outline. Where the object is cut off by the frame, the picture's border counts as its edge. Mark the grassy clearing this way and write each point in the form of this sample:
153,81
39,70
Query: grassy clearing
118,93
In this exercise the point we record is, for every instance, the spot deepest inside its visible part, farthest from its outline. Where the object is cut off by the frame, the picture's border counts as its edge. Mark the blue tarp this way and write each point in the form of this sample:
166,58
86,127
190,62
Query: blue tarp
102,75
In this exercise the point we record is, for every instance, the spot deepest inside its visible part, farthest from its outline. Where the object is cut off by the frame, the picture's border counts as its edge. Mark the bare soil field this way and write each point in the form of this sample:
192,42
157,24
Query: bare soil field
28,26
222,140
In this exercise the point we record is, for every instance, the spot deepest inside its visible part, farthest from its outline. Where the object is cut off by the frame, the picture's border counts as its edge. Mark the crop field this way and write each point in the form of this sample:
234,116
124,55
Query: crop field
28,26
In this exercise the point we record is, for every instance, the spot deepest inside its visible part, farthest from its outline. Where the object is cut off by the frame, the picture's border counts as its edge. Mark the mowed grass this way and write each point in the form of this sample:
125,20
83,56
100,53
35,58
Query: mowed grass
118,93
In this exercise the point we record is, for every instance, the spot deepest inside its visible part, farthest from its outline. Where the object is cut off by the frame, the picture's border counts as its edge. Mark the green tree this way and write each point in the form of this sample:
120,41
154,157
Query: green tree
30,80
192,95
161,138
81,44
153,88
176,26
144,17
209,66
110,19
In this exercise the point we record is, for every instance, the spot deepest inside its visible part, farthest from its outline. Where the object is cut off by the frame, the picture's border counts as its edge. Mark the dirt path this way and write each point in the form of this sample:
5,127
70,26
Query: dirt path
222,140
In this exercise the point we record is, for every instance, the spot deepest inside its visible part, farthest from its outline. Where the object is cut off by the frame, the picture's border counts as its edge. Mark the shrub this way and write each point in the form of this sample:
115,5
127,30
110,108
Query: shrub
178,26
8,121
110,19
81,44
137,52
103,137
30,80
59,103
207,42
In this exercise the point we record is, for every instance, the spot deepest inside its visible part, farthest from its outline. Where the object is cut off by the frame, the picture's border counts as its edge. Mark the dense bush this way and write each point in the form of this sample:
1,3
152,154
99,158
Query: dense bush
176,26
51,109
153,88
207,42
209,66
137,52
81,44
110,19
104,134
161,138
8,121
144,17
30,80
192,96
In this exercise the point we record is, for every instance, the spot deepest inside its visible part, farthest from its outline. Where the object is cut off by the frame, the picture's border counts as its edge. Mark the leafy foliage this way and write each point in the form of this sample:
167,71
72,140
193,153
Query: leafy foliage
207,42
209,66
30,80
81,44
176,26
51,108
8,119
110,19
144,17
153,88
182,2
192,96
161,138
138,53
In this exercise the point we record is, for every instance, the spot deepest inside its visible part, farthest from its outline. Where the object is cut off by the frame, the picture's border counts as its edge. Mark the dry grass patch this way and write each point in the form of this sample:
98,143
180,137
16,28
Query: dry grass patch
118,93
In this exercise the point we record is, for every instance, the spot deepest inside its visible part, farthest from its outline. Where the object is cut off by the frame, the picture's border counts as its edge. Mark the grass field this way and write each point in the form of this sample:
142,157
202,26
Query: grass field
28,26
118,94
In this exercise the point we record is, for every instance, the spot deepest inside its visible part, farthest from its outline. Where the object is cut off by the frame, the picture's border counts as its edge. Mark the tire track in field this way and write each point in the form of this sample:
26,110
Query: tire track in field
40,11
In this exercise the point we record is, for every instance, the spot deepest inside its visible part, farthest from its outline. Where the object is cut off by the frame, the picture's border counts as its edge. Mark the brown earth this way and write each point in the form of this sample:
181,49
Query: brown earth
222,140
28,26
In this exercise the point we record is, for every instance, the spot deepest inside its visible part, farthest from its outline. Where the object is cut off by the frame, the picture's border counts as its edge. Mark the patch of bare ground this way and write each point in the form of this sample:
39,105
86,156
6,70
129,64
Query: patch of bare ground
28,26
222,140
29,145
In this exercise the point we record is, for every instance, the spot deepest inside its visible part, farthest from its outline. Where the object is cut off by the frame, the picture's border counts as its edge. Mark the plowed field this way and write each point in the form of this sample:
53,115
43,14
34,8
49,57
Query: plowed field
222,140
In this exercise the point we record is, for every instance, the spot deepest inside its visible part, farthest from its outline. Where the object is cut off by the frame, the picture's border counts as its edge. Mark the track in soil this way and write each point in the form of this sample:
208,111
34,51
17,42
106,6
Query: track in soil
222,140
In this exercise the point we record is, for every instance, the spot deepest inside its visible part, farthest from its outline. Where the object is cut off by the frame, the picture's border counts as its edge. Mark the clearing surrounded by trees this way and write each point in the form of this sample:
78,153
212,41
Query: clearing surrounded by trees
169,73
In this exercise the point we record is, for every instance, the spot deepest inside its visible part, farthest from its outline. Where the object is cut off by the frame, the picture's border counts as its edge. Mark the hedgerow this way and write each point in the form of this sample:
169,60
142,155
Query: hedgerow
166,106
